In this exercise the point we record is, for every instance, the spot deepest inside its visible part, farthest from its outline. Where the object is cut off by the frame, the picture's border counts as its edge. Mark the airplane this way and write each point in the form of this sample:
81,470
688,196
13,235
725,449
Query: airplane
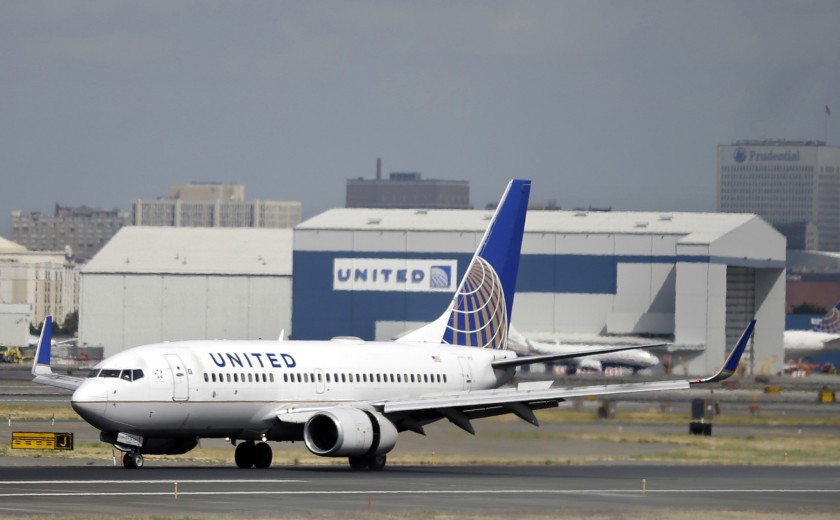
343,397
799,343
597,357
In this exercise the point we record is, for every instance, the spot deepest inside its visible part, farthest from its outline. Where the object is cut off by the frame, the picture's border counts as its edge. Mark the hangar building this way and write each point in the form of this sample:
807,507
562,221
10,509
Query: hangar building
159,284
694,278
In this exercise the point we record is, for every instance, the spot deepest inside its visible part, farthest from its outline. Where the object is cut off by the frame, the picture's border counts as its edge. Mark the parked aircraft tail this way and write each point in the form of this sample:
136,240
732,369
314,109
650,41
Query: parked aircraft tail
830,322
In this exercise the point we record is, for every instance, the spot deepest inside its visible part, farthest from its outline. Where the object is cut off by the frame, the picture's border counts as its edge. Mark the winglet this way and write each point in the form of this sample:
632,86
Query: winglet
41,366
733,360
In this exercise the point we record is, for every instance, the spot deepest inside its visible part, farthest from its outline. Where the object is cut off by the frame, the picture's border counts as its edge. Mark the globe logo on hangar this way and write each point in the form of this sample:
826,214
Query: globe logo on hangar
740,155
441,276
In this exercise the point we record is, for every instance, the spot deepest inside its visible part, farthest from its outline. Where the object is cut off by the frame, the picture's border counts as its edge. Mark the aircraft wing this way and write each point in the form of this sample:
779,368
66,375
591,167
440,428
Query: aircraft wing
461,407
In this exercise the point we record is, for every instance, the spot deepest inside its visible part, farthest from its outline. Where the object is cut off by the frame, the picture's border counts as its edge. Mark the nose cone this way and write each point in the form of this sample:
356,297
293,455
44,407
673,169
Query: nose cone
90,400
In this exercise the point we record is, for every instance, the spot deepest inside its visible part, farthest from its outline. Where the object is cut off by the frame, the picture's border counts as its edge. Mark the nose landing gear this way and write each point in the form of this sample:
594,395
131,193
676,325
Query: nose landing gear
132,460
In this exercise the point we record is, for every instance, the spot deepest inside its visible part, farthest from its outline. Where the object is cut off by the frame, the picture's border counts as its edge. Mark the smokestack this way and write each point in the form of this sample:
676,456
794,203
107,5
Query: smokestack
379,168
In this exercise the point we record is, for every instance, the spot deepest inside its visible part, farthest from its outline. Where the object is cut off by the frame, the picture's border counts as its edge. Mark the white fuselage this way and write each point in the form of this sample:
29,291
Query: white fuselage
238,388
800,343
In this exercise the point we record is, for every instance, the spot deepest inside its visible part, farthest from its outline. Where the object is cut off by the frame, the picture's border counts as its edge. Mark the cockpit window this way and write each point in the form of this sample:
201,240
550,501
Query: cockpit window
136,374
93,373
125,375
109,372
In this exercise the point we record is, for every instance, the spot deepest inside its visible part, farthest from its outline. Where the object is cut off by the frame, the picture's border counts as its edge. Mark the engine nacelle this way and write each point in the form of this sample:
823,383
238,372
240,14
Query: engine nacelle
349,432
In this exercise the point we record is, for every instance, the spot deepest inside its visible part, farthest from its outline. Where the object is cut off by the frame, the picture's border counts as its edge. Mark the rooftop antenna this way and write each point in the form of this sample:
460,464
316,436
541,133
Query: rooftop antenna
379,168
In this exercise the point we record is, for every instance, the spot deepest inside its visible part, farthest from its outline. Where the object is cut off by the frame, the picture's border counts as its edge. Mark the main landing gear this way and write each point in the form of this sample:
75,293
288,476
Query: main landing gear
375,463
251,455
132,460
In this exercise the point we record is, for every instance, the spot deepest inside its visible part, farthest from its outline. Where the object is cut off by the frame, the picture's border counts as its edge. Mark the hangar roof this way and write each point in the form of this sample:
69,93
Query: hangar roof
7,246
226,251
704,227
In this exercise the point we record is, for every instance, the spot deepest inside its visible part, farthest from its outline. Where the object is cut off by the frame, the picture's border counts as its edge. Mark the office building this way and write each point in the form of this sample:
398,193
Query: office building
407,190
83,230
214,205
793,185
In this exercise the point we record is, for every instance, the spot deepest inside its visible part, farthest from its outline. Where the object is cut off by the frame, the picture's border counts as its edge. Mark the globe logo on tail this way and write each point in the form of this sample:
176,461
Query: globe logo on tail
479,317
831,322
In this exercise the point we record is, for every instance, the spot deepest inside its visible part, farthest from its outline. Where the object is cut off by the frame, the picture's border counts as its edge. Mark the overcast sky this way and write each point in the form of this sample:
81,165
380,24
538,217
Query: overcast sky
617,104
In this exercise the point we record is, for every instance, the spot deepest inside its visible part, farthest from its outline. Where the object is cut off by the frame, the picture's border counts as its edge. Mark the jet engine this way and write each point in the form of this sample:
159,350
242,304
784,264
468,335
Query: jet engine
349,432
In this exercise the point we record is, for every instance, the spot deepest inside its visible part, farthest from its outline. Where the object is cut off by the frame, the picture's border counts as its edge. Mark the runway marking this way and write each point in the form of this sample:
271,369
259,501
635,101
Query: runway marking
621,492
167,481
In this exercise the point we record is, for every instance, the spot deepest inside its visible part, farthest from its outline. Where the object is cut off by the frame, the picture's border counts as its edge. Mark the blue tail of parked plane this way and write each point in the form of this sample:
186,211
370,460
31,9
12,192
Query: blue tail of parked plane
479,314
830,322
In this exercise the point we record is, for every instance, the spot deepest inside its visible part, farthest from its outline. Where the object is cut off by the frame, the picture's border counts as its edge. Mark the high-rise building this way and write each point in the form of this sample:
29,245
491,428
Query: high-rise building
84,230
407,190
214,205
793,185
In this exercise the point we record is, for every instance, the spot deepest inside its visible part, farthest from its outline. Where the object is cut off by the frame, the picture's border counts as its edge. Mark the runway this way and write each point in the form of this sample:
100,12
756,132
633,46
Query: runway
597,489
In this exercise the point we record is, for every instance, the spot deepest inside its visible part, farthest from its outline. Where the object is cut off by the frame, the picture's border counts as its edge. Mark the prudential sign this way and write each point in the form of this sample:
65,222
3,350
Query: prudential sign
387,274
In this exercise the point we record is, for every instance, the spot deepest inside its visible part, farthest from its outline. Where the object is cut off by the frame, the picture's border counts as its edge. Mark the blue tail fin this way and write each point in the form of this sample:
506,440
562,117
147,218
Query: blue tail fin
831,321
480,312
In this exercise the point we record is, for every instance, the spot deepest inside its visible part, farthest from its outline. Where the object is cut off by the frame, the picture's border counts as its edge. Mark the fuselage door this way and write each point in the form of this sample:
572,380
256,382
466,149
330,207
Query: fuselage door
466,372
180,383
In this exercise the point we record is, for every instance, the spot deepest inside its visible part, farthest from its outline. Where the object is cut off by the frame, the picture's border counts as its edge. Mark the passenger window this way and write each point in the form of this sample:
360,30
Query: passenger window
425,378
444,378
328,377
342,379
214,378
250,378
412,378
271,377
319,377
305,378
364,378
285,378
263,378
228,377
206,377
221,378
235,378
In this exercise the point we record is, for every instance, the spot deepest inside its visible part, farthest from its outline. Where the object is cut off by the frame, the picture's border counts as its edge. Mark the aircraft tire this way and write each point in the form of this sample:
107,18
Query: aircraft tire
376,463
245,455
358,463
262,455
132,460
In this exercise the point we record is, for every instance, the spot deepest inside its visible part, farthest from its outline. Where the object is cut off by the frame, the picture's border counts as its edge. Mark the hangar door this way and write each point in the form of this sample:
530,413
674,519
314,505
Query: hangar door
740,307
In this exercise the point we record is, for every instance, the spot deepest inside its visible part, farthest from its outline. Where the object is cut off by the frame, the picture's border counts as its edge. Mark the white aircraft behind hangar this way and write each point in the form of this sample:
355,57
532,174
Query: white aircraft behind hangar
595,358
344,397
823,337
